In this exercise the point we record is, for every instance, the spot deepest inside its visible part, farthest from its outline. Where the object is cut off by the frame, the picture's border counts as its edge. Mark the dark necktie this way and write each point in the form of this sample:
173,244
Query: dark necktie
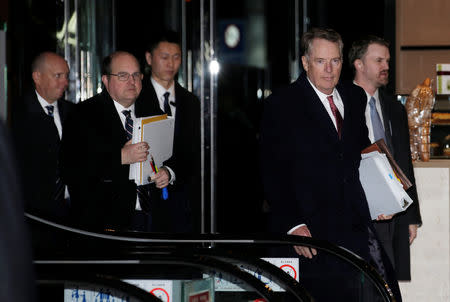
377,124
128,123
167,109
50,109
142,191
59,185
337,115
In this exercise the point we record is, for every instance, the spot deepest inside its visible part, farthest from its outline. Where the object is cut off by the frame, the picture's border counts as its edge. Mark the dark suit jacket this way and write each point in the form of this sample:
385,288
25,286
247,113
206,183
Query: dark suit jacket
309,175
37,144
181,212
397,136
101,193
16,276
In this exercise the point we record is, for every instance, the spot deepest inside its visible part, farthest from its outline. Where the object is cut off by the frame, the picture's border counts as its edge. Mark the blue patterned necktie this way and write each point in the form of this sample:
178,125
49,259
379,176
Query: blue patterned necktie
377,124
59,185
167,109
142,191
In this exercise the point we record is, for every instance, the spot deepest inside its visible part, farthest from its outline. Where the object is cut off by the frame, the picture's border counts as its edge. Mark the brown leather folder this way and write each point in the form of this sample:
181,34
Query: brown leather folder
381,147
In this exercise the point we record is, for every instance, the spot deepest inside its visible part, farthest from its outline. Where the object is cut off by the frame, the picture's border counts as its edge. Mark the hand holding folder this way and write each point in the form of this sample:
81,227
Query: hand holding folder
381,147
157,131
384,189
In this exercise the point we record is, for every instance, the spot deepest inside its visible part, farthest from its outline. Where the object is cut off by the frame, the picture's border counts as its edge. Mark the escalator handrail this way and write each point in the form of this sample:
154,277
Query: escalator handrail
151,238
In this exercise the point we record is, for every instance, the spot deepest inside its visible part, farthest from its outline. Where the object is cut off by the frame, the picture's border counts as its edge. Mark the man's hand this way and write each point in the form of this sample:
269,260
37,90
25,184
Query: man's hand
134,153
304,250
161,178
384,217
412,232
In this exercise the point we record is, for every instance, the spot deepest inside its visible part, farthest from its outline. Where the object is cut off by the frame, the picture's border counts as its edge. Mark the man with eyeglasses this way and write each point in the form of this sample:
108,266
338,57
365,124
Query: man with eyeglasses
97,152
162,94
38,122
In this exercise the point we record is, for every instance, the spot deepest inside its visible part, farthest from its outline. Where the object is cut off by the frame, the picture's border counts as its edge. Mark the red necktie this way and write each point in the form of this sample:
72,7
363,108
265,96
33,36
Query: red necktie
337,115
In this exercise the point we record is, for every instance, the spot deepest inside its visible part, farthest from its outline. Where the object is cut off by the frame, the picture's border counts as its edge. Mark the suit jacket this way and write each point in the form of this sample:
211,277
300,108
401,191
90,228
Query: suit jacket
101,193
17,275
37,144
181,212
309,175
397,136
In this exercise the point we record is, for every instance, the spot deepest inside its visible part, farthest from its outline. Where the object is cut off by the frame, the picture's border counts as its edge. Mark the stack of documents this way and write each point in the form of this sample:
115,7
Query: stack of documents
384,192
381,147
158,132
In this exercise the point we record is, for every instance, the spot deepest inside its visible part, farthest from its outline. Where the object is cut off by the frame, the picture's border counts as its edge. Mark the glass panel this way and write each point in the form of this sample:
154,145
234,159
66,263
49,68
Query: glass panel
254,55
85,37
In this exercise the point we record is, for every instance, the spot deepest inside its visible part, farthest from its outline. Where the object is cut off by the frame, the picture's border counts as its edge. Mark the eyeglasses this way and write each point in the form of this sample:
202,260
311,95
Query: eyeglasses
124,76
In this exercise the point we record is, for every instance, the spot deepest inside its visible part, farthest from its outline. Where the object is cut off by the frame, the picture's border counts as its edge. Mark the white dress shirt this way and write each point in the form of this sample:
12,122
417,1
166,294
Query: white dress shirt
160,91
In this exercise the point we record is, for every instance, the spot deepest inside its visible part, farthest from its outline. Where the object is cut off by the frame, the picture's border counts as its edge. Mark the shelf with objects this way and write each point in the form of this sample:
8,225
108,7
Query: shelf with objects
440,126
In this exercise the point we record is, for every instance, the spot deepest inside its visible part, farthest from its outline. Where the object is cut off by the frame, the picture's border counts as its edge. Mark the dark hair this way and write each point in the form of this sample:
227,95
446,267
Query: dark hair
320,33
106,63
359,48
162,36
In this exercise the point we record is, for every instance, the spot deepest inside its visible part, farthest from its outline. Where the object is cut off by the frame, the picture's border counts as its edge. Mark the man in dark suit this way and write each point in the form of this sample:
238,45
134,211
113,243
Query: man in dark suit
97,152
162,94
38,120
312,135
386,118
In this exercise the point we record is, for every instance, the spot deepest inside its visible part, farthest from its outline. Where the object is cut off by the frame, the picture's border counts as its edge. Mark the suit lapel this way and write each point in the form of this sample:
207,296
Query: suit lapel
147,103
386,121
347,109
111,117
316,110
41,116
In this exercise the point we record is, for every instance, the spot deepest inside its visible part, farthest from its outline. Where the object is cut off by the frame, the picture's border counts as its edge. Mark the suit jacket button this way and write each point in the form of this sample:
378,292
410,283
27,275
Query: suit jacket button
340,156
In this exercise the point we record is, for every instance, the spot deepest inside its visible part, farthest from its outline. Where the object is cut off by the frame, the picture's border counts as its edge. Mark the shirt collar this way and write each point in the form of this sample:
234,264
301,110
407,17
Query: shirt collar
160,90
375,95
121,108
44,103
320,94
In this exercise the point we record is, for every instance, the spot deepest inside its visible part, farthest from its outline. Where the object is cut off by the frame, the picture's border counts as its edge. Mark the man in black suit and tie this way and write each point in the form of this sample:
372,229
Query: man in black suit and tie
38,121
312,135
162,94
97,152
386,118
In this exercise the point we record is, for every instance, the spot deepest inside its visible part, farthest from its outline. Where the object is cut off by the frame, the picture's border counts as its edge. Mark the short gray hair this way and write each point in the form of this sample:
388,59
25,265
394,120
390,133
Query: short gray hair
320,33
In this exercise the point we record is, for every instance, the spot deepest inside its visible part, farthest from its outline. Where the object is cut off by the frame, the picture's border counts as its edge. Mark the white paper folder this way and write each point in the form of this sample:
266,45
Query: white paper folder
158,132
384,192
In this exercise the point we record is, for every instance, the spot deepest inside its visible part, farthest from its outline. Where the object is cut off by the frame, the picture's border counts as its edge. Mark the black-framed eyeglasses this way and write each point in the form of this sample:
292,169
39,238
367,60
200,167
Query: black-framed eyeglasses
124,76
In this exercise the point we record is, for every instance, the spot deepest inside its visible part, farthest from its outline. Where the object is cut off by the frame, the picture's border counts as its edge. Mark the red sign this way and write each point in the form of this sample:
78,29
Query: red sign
199,297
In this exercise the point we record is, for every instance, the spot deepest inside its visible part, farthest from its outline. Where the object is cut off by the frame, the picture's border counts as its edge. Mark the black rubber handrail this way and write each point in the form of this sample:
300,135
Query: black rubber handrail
145,242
